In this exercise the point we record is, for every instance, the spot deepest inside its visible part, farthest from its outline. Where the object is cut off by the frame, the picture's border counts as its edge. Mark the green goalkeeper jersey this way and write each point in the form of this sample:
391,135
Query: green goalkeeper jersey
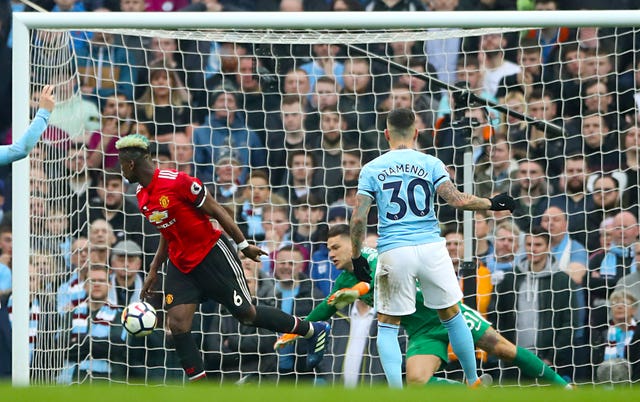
423,321
346,279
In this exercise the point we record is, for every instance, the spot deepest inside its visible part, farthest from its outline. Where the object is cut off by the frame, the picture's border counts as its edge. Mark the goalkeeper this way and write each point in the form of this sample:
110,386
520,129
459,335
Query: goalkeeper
428,339
21,148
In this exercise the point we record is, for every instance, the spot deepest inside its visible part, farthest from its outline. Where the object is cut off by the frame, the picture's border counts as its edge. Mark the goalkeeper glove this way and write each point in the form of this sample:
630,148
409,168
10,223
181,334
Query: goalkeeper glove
502,202
343,297
346,296
284,340
361,269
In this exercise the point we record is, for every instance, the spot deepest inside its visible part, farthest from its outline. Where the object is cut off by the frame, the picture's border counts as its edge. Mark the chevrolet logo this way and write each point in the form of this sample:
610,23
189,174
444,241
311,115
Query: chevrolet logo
158,216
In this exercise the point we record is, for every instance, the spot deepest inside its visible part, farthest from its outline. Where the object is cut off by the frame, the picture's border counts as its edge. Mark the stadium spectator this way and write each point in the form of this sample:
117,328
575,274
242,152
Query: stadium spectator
292,136
126,279
297,295
506,249
225,128
303,179
483,228
71,292
257,195
497,174
598,142
227,186
540,144
570,255
325,93
324,63
104,68
492,61
328,155
613,339
95,336
163,106
536,305
609,265
530,191
258,95
606,204
308,227
111,204
276,224
101,237
358,103
117,113
571,196
296,82
533,74
631,283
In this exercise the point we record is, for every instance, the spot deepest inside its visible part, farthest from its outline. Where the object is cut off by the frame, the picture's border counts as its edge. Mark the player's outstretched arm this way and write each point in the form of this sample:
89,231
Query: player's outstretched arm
21,148
212,208
460,200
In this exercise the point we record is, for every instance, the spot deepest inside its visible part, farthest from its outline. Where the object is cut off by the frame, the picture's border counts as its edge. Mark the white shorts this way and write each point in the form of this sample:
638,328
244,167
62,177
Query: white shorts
399,270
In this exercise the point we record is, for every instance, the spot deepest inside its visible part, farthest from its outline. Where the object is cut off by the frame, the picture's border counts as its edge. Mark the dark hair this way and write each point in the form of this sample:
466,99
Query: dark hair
290,99
297,152
260,174
539,231
450,229
401,119
340,229
109,175
529,45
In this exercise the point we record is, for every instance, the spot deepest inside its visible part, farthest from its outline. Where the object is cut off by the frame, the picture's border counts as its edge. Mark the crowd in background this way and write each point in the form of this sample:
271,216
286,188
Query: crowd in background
279,134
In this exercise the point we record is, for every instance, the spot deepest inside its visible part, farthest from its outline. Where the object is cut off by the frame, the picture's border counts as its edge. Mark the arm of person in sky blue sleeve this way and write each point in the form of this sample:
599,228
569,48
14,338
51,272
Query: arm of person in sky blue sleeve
21,148
24,145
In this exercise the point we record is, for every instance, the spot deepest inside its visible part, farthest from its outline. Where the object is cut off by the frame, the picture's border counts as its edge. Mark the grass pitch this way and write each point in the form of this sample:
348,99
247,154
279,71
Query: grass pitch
268,393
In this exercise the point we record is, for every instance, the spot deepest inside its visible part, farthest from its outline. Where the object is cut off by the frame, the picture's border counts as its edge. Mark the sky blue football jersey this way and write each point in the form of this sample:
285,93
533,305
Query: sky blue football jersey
403,183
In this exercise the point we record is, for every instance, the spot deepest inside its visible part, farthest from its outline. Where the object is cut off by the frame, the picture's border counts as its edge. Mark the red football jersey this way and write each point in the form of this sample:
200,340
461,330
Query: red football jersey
172,203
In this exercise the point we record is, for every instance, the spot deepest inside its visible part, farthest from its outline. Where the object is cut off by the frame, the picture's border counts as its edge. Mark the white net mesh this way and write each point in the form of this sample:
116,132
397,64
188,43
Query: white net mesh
278,125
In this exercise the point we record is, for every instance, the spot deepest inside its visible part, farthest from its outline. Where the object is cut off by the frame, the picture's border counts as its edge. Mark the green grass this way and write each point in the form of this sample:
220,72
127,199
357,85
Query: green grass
209,392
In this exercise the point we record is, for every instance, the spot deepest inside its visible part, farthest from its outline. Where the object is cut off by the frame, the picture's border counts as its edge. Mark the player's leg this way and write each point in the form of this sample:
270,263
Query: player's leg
530,364
180,319
442,292
420,368
182,296
395,296
389,349
224,276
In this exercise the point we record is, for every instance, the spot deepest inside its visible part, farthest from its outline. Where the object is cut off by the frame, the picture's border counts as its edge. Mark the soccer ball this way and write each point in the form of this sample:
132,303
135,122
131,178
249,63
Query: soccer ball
139,318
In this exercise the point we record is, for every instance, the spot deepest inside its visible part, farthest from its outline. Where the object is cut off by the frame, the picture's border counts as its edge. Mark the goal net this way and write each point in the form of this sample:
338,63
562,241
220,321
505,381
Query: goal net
277,123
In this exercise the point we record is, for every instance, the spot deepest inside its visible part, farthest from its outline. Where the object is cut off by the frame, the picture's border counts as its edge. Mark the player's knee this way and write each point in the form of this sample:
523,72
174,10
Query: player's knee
246,317
418,377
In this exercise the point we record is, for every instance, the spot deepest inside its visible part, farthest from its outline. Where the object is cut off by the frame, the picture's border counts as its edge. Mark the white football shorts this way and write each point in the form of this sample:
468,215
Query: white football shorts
399,270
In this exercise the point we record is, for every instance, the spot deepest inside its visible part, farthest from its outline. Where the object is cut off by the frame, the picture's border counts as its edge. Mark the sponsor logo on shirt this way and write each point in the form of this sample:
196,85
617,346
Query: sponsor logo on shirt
158,216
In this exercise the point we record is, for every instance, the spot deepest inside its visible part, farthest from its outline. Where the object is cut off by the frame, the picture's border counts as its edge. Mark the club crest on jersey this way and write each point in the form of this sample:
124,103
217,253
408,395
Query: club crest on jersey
158,216
196,188
164,201
169,298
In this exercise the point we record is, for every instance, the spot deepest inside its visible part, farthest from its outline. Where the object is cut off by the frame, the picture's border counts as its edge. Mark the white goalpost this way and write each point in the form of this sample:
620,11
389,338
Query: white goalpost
61,48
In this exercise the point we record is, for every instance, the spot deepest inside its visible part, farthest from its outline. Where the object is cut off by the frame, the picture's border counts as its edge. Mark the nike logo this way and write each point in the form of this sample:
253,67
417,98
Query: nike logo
502,204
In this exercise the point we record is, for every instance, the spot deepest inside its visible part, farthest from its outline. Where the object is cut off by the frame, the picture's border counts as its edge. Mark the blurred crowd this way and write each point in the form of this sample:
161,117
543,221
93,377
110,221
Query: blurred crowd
279,134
